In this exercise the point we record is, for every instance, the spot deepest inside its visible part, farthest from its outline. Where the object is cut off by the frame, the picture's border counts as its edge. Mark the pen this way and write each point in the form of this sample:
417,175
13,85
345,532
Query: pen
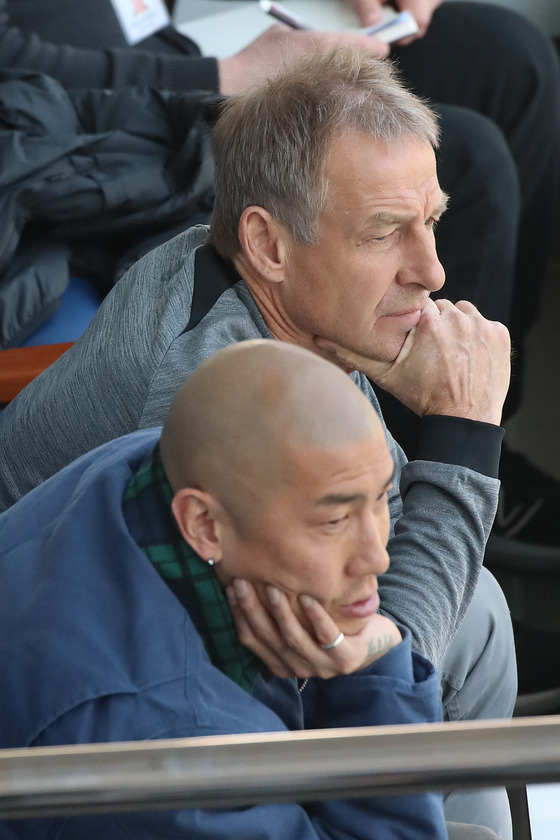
283,15
403,17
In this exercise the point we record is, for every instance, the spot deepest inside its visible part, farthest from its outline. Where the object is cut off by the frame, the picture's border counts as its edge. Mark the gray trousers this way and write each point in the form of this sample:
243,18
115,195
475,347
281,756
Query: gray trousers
461,831
479,681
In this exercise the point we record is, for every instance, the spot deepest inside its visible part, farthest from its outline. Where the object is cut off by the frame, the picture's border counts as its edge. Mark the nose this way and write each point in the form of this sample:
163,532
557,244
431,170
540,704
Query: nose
369,554
423,267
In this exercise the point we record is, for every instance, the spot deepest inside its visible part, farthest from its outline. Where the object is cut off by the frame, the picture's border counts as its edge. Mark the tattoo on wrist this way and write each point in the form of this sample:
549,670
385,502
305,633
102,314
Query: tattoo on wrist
377,647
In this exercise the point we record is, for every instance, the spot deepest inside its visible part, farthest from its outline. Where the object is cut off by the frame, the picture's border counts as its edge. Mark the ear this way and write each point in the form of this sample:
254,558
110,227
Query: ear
265,243
195,514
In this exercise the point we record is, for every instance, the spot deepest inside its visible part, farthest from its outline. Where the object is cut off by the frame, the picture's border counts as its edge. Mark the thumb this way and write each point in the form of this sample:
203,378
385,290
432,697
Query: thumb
430,311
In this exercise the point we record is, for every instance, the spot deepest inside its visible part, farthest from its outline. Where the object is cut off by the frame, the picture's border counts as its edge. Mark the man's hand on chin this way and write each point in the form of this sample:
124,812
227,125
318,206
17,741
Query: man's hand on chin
454,362
277,636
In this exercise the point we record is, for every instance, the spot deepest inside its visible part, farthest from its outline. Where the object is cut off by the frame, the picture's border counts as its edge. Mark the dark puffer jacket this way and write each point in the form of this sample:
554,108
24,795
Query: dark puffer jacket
91,179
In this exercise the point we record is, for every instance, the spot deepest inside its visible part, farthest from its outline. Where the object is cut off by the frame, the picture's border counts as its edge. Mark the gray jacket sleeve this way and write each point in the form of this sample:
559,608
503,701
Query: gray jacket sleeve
441,515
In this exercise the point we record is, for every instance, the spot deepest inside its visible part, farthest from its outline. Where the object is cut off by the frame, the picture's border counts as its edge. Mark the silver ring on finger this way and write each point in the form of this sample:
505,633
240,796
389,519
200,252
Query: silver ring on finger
338,641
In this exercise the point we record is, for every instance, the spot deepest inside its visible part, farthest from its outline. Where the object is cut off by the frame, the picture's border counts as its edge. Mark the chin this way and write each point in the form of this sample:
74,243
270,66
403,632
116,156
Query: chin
386,348
391,351
352,626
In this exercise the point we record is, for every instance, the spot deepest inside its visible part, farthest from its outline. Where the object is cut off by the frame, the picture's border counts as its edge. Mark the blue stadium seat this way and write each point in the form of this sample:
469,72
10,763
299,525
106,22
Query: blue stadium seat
20,365
78,306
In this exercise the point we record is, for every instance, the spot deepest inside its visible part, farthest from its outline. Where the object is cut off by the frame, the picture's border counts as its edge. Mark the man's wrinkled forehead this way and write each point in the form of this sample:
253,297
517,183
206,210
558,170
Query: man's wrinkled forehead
358,163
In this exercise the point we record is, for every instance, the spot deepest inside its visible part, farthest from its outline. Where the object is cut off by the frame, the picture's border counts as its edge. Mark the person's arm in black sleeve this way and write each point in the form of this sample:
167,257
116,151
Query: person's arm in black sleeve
115,68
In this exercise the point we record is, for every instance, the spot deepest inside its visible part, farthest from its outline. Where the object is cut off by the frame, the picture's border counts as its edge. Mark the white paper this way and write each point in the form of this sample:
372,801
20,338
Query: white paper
140,18
226,32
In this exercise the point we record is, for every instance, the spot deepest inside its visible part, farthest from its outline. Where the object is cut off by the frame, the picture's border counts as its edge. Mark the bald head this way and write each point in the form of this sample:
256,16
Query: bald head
233,425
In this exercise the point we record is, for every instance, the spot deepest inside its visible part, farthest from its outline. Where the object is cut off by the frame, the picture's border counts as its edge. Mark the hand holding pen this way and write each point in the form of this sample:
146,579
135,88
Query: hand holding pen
388,30
267,55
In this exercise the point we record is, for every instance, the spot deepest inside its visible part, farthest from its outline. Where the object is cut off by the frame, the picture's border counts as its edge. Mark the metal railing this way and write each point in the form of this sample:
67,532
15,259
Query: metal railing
241,770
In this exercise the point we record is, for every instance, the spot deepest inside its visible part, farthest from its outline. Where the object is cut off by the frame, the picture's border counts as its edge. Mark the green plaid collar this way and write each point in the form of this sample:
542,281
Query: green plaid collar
147,512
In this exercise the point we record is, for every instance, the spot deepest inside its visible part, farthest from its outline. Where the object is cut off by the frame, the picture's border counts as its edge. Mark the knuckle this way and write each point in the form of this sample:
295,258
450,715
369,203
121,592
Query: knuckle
290,639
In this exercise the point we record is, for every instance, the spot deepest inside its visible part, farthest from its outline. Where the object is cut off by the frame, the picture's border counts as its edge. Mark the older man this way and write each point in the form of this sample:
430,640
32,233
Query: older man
279,493
322,236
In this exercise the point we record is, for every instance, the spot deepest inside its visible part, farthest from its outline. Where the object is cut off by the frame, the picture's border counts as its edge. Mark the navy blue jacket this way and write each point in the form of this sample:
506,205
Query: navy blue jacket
94,647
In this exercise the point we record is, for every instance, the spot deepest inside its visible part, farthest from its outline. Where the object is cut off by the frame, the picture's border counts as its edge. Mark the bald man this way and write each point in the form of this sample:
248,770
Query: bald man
264,506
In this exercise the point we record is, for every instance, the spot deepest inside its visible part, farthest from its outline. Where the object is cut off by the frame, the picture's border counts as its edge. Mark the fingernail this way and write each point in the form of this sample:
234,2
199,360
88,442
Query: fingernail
306,601
273,594
240,588
231,596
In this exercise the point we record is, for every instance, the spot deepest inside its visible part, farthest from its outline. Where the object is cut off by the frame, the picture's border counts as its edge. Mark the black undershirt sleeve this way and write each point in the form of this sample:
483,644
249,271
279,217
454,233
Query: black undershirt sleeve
455,440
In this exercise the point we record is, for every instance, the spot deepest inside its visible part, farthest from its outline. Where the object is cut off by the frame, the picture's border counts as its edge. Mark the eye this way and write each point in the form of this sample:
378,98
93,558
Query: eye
335,523
383,238
431,223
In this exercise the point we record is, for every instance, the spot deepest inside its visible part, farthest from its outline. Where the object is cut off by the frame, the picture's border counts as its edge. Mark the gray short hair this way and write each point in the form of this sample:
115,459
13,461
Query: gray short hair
271,142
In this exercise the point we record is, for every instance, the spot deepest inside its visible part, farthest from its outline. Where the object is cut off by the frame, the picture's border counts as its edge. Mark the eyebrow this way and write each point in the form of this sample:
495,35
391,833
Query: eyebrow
348,498
442,206
388,219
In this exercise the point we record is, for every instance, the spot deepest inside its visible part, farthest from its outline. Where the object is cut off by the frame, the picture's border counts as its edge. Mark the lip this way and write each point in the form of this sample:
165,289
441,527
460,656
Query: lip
361,609
407,318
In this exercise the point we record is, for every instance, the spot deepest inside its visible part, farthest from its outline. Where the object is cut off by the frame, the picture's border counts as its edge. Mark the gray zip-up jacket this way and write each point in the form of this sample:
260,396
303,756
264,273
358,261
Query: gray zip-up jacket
178,305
